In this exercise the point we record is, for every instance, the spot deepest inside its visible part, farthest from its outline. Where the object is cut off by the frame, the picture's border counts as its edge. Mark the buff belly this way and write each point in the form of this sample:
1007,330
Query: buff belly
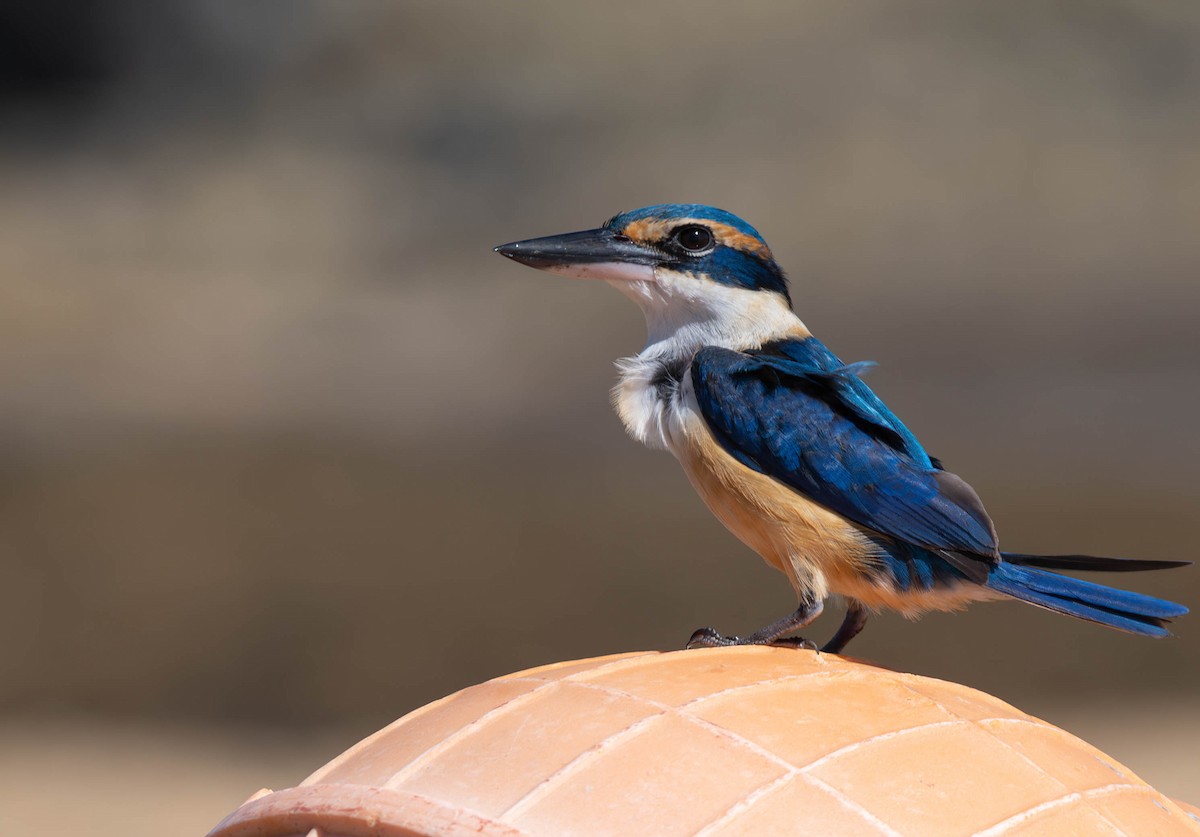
820,552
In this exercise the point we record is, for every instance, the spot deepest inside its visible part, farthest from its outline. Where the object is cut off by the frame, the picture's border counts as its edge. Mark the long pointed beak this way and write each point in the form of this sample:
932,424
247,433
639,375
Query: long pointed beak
589,254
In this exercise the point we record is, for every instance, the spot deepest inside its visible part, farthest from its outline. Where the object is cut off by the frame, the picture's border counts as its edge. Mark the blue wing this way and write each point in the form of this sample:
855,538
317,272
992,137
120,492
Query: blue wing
794,412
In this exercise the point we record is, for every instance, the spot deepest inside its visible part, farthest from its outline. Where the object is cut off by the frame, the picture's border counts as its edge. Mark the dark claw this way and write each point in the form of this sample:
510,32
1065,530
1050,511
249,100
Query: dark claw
773,634
709,638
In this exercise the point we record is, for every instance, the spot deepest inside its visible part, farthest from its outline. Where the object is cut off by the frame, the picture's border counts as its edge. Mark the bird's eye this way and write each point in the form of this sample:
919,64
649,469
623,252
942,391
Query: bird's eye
694,238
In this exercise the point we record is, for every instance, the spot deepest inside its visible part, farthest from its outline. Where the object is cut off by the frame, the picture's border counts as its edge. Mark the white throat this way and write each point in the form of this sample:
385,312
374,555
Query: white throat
685,312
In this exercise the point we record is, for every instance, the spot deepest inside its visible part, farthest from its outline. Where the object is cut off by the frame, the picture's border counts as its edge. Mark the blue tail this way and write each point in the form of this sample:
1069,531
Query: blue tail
1121,609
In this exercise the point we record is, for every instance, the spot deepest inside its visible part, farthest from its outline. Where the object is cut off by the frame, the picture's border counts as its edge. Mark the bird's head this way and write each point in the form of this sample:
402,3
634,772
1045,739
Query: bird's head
690,267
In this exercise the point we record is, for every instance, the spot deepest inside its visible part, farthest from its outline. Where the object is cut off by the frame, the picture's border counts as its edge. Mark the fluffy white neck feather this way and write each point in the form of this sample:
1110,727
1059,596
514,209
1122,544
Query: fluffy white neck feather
685,313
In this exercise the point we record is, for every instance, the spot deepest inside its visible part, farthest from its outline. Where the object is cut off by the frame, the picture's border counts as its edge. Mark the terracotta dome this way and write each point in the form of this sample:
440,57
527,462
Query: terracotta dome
728,741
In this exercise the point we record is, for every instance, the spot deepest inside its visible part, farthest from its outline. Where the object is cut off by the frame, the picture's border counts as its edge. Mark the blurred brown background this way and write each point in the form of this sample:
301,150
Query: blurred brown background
286,451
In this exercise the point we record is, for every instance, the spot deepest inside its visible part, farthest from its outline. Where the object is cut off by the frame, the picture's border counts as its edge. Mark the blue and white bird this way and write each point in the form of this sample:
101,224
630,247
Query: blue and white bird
792,451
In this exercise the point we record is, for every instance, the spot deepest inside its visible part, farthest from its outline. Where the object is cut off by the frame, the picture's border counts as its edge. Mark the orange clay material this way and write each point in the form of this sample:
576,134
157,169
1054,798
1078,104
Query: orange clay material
724,741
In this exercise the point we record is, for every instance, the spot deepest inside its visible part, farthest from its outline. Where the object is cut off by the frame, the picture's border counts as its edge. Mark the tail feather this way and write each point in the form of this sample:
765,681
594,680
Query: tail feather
1121,609
1090,562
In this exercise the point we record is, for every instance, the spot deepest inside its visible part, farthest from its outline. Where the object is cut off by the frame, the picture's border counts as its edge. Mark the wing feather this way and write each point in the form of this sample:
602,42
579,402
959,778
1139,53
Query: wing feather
797,414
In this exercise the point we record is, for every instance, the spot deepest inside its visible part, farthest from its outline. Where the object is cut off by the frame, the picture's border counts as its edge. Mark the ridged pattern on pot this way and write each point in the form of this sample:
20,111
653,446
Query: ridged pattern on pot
748,741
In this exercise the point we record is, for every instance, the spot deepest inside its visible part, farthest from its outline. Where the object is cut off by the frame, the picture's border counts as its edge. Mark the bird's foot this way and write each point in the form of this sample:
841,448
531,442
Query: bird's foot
797,642
709,638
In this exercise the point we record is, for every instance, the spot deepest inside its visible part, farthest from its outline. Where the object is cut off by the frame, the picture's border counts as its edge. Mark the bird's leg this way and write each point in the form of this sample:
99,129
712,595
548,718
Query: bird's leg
856,617
773,634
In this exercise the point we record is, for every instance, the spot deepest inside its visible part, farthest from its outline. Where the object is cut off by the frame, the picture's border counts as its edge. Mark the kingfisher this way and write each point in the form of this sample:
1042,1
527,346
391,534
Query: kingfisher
792,451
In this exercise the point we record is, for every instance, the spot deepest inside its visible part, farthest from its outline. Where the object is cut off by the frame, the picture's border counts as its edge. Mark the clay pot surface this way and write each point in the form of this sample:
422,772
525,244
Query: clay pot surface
731,741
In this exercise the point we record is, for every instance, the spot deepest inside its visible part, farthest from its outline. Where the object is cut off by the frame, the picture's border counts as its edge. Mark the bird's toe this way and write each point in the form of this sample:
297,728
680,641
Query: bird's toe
709,638
797,642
